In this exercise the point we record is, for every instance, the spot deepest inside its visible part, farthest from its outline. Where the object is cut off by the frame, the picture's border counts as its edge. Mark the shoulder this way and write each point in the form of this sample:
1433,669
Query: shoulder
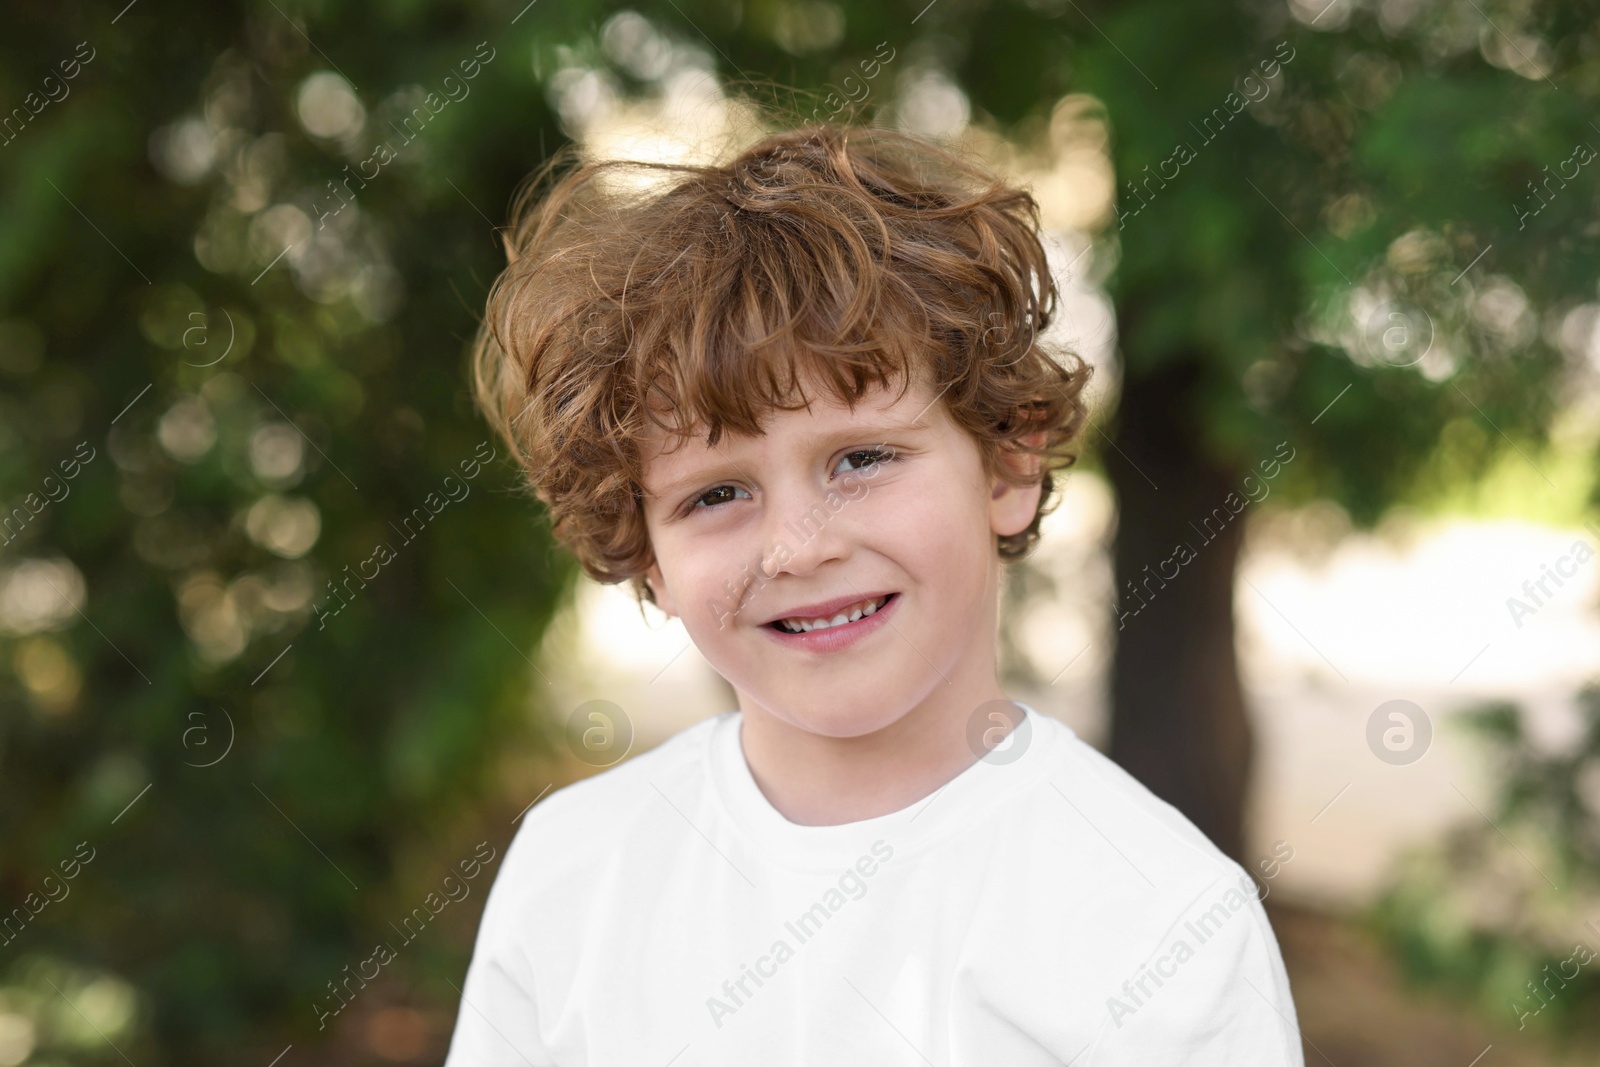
1097,796
588,821
1164,925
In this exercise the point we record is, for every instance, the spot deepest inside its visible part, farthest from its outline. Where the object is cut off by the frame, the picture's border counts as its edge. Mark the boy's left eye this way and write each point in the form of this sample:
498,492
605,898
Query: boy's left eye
876,455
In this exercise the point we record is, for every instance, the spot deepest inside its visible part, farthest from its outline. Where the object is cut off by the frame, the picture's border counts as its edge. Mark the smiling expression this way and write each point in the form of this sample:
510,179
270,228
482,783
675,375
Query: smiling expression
827,508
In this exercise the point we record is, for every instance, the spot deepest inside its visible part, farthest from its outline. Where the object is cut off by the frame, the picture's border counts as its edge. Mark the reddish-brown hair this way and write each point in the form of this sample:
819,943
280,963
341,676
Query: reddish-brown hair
853,257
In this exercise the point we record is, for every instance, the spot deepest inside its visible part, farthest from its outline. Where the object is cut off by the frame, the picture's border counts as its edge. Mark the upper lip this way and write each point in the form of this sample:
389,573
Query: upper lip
825,609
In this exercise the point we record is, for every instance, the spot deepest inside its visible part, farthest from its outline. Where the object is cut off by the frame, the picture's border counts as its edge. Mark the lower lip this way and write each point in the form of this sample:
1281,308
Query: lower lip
837,638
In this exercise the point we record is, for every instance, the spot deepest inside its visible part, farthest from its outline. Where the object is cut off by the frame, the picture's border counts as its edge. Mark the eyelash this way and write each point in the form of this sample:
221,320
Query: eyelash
882,455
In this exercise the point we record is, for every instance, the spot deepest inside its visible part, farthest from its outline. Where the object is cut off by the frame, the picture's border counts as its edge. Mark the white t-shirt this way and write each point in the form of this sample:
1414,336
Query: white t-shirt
1042,908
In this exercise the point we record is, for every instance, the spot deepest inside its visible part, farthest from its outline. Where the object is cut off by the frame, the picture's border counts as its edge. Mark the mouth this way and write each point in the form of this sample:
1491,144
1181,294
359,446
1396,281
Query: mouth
844,618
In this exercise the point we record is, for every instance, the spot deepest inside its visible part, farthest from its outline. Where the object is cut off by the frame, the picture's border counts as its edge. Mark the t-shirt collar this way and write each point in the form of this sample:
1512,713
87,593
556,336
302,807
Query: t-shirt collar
969,796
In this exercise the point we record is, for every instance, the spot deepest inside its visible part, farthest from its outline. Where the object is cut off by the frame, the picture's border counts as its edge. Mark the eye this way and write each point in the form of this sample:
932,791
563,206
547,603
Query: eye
874,455
712,498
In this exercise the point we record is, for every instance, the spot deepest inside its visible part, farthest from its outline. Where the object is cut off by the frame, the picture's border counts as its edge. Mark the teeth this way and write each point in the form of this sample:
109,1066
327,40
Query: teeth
850,614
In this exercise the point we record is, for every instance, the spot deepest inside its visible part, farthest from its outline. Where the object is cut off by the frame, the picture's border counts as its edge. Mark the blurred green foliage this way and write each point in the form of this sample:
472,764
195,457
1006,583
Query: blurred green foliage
269,393
1502,911
257,430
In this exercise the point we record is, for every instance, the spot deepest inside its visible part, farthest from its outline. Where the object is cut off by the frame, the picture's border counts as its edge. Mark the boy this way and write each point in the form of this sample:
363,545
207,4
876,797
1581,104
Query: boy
799,401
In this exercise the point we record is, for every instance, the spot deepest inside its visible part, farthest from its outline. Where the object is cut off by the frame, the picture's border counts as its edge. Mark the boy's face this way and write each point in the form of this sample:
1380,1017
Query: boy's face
814,511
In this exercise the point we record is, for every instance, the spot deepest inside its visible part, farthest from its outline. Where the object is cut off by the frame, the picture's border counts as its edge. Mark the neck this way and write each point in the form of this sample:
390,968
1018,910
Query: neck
819,780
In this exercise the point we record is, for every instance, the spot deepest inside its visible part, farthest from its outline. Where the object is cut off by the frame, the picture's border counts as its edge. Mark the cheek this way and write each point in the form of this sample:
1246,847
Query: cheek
715,576
942,538
709,598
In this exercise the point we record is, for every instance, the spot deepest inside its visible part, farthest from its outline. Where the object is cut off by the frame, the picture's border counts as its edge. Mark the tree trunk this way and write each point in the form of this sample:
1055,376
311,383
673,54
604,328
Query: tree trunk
1178,715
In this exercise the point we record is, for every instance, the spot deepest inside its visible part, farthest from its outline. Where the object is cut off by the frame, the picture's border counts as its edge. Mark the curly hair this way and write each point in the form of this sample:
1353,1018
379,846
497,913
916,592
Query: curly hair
694,298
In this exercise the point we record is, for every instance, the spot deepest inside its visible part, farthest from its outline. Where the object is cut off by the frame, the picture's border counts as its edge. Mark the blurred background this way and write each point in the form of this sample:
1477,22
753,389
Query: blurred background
283,643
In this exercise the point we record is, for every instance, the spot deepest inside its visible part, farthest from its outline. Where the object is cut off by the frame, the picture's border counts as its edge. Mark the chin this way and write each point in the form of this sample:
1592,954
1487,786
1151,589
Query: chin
857,717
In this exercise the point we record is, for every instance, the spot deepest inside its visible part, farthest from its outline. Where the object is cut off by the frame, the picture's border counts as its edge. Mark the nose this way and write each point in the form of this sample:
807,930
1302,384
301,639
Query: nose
804,530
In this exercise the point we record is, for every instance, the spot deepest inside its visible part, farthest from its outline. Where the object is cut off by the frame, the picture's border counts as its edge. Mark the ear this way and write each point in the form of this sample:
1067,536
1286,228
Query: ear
658,587
1012,508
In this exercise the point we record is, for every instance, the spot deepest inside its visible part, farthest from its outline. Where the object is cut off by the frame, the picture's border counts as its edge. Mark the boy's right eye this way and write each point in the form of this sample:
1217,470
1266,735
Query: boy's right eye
700,502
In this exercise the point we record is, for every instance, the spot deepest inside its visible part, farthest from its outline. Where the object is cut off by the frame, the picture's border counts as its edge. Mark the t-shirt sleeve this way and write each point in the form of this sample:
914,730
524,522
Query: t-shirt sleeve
497,1024
1212,993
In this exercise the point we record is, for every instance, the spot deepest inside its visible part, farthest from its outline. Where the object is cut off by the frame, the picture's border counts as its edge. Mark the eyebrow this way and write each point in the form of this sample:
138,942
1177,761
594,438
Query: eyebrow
718,470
